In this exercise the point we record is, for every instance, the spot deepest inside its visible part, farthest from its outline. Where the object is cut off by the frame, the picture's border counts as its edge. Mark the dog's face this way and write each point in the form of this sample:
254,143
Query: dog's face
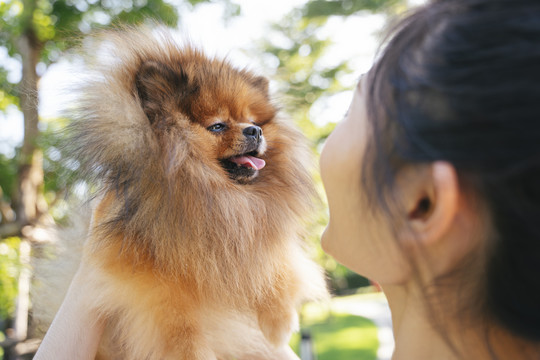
239,147
231,106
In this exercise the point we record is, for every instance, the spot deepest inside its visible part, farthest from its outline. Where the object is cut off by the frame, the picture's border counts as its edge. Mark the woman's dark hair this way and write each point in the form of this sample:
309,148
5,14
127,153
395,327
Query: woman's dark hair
459,81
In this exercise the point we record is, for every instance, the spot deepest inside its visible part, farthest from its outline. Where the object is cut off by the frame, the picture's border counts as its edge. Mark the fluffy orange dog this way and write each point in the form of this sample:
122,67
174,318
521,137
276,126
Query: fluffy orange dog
195,244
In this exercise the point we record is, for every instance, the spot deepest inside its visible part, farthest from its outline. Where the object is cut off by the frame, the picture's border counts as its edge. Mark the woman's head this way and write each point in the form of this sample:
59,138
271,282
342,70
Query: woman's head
456,89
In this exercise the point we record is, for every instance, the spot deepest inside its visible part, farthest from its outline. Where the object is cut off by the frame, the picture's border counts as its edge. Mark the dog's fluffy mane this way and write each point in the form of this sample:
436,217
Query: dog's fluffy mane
175,208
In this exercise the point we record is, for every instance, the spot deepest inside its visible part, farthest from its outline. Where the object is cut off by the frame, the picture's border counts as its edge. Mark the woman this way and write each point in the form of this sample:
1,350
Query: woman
433,181
433,184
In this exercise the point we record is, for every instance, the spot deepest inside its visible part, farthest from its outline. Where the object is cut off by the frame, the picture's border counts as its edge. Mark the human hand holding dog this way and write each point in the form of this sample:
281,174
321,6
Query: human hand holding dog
76,330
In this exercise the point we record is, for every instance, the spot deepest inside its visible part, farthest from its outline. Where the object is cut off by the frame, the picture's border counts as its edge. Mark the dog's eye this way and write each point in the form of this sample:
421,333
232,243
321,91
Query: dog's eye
219,127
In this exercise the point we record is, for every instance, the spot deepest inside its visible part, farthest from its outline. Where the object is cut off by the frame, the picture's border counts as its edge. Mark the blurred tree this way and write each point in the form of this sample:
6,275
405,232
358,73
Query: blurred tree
35,33
303,78
296,43
323,9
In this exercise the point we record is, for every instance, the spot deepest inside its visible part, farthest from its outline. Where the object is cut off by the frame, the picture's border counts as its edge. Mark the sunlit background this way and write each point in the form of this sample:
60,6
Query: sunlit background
241,37
313,51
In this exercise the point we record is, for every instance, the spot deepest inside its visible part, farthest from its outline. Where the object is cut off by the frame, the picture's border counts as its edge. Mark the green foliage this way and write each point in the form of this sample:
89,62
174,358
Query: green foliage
55,21
302,75
337,335
325,8
345,337
9,271
8,92
8,172
57,176
56,25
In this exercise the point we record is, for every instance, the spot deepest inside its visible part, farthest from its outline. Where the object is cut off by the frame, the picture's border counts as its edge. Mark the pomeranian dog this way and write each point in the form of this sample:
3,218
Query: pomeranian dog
195,245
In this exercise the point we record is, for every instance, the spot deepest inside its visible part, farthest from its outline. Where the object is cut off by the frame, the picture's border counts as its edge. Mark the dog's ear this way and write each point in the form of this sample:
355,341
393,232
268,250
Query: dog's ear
159,85
261,83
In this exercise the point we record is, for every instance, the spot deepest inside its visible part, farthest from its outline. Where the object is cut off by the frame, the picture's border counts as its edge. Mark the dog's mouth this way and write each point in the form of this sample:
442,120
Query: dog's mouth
244,167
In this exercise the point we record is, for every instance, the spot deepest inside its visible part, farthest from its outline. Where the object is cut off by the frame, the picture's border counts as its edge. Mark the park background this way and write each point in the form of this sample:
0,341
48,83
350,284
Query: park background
313,51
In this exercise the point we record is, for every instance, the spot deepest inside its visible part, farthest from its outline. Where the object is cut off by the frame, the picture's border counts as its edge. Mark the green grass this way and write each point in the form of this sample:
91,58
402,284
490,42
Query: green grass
337,335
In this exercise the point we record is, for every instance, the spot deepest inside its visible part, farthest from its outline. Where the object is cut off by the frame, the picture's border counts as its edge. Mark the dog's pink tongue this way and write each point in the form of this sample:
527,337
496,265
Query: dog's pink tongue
249,161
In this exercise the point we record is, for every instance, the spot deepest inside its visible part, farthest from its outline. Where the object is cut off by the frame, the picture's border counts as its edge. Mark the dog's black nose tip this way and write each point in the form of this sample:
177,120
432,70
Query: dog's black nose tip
253,132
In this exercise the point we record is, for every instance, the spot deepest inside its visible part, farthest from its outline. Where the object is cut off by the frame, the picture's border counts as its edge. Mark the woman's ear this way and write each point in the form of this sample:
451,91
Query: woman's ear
430,197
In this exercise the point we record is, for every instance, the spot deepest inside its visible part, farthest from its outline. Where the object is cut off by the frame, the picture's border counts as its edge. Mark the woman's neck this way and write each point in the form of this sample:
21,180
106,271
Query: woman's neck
416,337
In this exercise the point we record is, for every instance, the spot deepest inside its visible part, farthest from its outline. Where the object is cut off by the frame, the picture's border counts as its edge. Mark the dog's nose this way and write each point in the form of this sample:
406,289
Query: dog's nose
253,132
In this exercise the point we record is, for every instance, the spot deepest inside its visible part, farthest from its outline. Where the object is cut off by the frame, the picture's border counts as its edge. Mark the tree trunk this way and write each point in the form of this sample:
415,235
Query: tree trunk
30,203
30,173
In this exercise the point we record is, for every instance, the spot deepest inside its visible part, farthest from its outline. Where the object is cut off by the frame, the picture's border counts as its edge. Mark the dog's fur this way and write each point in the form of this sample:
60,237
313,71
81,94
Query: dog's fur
189,260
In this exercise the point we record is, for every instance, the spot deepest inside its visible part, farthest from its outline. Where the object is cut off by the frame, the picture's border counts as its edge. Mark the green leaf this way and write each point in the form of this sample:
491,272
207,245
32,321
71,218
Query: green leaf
9,273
